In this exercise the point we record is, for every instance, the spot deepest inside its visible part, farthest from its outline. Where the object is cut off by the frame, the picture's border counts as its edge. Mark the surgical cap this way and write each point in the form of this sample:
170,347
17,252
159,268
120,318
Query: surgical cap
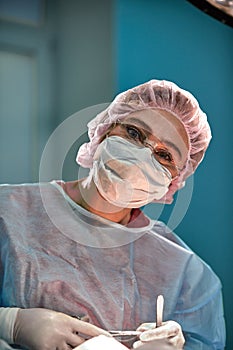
154,94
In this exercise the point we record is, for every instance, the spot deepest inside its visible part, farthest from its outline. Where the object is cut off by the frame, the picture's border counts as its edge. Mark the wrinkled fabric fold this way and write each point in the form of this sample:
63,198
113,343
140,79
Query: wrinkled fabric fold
116,286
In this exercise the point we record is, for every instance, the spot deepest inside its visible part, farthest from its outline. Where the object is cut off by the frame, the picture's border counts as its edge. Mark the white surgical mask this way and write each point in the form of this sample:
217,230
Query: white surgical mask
127,175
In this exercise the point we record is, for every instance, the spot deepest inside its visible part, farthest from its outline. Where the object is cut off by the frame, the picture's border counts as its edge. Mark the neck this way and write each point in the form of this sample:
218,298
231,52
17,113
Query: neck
90,199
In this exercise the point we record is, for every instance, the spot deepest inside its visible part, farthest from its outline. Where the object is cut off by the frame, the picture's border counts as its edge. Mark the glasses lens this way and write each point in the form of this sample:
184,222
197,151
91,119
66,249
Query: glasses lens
133,134
136,135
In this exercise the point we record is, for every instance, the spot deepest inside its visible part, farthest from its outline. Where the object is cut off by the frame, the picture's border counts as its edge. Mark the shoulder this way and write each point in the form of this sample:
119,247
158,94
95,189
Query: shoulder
15,193
12,191
26,188
21,196
194,266
11,188
163,233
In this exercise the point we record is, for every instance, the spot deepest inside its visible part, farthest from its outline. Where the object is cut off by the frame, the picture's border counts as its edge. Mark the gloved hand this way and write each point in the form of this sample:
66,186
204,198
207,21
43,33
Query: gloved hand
168,336
43,329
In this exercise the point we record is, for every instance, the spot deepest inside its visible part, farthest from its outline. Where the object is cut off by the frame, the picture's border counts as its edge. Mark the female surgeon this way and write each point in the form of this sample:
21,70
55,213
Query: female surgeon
85,249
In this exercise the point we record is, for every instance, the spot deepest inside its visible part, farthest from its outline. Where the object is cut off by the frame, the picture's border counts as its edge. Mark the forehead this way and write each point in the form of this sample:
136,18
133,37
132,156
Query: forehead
164,126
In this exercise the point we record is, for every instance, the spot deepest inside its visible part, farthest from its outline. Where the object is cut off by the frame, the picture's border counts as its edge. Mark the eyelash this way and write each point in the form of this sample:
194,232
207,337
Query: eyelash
139,136
162,153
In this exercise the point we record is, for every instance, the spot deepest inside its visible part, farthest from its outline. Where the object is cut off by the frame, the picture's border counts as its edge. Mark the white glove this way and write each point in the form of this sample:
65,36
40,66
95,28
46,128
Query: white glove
7,320
168,336
43,329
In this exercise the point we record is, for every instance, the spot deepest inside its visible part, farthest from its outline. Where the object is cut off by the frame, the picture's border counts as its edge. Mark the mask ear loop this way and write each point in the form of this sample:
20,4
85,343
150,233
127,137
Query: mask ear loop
180,172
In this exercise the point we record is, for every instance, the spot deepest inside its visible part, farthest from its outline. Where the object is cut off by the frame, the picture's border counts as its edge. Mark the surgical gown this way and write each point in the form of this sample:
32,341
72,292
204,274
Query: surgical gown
57,255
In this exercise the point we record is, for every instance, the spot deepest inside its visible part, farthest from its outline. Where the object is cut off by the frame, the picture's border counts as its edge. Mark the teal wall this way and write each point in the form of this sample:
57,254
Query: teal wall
175,41
71,50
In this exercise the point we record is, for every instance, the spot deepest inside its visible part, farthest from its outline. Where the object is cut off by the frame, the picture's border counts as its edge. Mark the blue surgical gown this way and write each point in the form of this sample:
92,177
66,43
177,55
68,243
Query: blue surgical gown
57,255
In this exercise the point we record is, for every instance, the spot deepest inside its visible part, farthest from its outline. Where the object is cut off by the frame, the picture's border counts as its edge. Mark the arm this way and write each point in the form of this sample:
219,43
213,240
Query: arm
209,334
198,313
37,329
199,309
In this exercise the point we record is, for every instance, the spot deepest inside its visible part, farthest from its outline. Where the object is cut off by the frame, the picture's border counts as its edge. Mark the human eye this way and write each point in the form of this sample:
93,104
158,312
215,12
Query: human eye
134,133
164,155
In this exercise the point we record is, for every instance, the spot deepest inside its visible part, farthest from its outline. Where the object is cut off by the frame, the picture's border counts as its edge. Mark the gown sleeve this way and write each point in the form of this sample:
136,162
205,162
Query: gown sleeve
199,309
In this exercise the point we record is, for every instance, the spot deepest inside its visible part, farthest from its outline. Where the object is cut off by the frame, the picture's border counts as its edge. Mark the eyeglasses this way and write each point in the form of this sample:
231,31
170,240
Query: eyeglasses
141,138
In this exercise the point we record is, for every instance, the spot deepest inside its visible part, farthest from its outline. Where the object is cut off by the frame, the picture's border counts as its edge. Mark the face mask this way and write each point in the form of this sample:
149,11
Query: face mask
127,175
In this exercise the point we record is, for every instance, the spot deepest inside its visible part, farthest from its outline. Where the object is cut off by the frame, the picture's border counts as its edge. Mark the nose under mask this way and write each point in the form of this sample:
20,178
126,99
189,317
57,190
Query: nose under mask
127,175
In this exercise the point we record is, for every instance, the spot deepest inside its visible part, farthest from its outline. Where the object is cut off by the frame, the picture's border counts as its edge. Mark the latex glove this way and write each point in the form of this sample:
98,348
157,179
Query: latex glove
43,329
168,336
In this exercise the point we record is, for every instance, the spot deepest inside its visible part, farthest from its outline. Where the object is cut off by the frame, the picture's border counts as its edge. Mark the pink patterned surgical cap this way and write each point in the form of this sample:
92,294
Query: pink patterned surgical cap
154,94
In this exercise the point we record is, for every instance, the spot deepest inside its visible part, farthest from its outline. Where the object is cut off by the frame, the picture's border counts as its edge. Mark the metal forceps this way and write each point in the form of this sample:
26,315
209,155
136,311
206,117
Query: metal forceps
130,335
125,336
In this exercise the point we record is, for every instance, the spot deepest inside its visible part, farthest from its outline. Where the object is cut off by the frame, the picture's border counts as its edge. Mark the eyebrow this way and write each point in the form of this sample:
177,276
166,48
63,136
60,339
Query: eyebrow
142,124
150,131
